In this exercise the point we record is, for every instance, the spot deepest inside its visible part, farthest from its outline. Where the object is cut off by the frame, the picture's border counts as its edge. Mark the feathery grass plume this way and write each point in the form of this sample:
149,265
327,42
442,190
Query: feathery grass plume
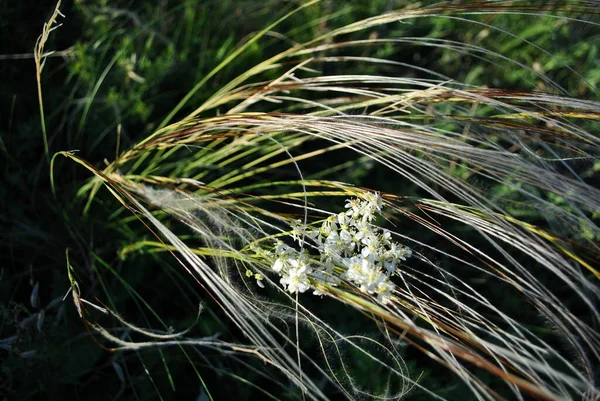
490,189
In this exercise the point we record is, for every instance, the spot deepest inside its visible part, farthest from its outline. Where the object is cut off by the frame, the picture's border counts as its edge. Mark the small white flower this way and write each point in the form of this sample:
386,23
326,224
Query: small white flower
296,279
299,264
278,265
397,252
386,237
371,247
374,200
329,225
343,221
345,236
374,281
354,208
370,280
354,267
357,237
384,291
363,229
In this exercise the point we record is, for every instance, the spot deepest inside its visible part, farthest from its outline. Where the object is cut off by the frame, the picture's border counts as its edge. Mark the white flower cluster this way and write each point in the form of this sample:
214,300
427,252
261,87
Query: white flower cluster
349,243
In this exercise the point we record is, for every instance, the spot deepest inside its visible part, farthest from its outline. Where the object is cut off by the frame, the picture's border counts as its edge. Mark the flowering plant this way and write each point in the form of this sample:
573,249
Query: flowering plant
350,247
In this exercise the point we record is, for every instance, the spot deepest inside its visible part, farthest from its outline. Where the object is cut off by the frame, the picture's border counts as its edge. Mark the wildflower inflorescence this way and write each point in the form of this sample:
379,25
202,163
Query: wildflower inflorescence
350,248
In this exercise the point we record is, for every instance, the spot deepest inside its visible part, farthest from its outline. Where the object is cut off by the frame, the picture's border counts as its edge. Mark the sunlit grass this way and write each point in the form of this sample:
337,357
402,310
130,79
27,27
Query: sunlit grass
490,187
